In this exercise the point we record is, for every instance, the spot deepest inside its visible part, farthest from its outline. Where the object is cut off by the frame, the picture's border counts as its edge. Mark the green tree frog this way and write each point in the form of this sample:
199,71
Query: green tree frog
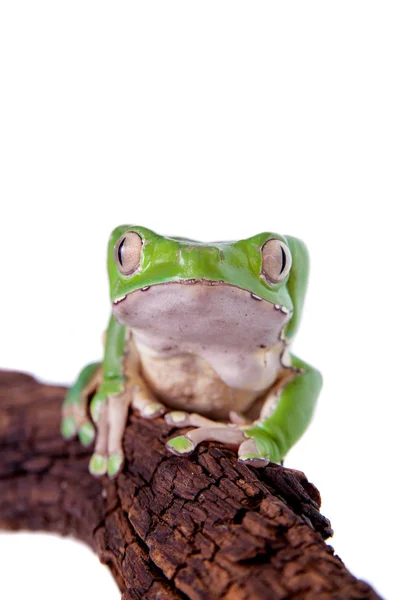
199,333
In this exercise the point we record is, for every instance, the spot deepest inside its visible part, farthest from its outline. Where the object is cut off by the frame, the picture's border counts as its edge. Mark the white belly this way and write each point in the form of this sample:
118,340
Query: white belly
191,383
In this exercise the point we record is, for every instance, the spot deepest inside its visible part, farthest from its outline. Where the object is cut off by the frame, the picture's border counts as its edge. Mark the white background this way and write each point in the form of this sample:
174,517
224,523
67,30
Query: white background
210,120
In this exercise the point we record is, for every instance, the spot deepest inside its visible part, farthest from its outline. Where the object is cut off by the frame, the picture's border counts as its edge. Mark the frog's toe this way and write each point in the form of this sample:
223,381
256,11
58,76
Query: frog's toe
68,428
177,418
180,445
115,463
152,410
249,454
98,465
87,433
146,404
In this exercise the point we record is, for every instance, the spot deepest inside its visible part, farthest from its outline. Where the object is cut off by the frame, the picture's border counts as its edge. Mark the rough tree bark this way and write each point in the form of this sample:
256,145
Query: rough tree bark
203,527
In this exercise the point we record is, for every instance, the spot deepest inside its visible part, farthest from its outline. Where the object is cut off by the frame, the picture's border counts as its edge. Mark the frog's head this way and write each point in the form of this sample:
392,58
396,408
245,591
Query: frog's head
252,287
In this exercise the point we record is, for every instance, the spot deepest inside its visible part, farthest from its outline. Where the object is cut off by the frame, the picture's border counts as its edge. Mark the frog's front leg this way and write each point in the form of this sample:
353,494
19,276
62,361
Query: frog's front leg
109,410
110,413
121,387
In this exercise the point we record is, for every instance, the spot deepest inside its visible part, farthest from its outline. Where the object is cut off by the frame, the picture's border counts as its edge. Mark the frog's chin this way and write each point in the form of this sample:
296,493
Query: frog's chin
186,317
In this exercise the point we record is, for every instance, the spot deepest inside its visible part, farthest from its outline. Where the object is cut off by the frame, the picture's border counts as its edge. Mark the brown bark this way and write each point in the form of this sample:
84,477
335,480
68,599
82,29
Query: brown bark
168,527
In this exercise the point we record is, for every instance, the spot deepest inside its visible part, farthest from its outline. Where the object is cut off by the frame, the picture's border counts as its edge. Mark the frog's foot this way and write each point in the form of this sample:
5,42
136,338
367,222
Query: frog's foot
148,407
75,419
253,443
226,434
110,414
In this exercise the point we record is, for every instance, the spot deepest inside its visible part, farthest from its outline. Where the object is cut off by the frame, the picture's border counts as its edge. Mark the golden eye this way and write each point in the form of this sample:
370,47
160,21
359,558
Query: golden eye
276,260
127,253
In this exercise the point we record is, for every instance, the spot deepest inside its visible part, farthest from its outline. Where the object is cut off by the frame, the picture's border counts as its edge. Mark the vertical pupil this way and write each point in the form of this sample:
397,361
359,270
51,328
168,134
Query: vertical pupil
283,260
120,250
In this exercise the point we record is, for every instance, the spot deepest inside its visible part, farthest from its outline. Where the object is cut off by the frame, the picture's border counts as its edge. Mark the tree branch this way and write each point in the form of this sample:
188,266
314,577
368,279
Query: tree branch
168,527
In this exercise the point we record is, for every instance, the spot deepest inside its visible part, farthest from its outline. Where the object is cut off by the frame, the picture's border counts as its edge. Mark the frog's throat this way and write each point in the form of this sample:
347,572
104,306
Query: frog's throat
197,314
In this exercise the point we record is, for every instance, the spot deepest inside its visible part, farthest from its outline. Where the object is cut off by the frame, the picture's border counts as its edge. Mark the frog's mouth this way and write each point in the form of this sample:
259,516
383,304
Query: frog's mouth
193,315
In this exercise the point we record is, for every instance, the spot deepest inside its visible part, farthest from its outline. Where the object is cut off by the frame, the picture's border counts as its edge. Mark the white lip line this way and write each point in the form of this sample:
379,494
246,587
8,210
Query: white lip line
280,307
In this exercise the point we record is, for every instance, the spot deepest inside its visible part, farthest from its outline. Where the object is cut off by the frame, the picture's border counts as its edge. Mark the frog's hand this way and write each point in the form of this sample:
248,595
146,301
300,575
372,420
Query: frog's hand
271,438
75,419
109,410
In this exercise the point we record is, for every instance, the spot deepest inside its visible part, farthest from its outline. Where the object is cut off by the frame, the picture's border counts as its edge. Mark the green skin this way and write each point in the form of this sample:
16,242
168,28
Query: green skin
167,260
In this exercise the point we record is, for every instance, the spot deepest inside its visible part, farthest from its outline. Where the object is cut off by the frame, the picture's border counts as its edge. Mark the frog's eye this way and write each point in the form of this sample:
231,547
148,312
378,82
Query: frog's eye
127,253
276,260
